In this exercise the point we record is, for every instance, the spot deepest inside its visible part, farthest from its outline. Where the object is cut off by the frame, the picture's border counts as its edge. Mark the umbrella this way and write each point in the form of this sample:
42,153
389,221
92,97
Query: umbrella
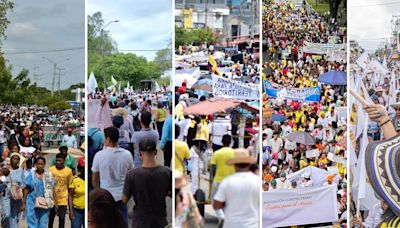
203,84
278,118
334,78
301,137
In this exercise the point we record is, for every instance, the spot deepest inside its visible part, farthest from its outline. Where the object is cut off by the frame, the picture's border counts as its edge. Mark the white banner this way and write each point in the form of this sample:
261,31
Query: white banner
299,206
320,48
228,88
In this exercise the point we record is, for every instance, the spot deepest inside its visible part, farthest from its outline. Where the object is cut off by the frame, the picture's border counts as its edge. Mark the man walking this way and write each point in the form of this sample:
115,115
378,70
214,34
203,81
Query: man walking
149,185
62,178
145,133
110,167
239,193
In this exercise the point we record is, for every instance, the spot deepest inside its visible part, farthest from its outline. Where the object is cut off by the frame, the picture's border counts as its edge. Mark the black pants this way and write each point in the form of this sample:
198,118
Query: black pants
62,210
168,154
159,129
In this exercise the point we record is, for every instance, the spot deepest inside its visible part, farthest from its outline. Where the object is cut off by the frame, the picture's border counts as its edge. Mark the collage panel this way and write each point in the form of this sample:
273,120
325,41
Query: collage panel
129,113
374,107
304,124
216,115
42,116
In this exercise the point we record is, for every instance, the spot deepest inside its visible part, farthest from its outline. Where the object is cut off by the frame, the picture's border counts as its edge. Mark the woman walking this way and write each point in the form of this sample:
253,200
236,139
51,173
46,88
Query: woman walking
38,195
15,190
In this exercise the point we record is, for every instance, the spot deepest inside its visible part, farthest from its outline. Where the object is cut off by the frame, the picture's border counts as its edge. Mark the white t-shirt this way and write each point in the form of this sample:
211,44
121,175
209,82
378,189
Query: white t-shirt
70,141
236,189
112,164
219,128
276,145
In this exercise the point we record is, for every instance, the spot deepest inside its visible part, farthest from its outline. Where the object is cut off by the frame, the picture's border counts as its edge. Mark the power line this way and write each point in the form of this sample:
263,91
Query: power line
377,4
42,51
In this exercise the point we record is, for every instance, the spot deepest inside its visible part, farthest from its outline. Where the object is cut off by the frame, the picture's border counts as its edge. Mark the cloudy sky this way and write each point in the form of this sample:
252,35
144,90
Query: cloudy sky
369,21
144,25
45,26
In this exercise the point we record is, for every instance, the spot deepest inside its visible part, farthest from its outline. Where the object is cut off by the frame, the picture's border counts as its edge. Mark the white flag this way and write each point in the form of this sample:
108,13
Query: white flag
92,84
113,81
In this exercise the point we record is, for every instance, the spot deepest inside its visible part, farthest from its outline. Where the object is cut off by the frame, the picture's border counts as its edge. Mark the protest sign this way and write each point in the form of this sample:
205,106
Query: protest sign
311,94
312,153
227,88
321,48
333,170
299,206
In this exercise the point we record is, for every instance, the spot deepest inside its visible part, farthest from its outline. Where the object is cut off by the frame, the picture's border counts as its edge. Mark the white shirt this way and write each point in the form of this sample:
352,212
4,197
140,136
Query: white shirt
282,185
70,141
112,164
236,189
219,128
183,128
276,145
374,217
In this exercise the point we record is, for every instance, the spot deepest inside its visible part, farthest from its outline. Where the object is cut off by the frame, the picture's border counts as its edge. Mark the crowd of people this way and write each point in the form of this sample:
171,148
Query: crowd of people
33,188
287,31
380,81
129,136
209,148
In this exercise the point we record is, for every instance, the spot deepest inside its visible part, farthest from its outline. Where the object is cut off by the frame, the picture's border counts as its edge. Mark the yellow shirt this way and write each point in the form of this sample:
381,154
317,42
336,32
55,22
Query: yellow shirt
219,159
79,193
63,179
161,113
182,150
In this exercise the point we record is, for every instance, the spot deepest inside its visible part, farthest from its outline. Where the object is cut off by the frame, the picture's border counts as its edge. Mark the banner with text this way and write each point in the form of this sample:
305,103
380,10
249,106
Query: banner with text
311,94
299,206
321,48
228,88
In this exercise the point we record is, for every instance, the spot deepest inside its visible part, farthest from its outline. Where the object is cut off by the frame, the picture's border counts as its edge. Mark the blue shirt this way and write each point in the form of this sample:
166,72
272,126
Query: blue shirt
97,137
166,132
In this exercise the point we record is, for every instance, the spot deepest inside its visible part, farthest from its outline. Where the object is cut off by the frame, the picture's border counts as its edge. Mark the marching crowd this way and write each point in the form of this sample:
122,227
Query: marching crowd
381,82
287,30
207,147
32,188
127,134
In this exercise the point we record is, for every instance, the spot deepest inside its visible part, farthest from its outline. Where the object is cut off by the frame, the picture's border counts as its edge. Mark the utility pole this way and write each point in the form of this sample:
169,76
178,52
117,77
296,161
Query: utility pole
54,78
205,24
59,78
35,75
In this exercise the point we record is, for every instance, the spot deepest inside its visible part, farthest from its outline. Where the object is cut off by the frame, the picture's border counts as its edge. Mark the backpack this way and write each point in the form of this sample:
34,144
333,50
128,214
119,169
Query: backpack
136,122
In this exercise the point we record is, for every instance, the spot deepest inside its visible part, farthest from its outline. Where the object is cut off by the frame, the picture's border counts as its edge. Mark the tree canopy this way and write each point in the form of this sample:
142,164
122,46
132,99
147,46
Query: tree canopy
194,36
124,67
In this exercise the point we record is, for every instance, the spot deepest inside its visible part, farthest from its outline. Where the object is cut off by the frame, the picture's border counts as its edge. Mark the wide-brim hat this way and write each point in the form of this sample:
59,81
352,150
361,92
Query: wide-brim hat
383,169
241,156
180,179
395,105
200,138
120,112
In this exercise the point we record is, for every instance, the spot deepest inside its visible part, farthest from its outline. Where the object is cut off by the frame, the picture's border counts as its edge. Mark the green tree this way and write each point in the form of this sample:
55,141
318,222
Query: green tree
194,36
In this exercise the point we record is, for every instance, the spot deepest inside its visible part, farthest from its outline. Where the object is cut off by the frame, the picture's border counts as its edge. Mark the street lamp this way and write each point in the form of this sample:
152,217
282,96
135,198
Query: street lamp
54,72
103,51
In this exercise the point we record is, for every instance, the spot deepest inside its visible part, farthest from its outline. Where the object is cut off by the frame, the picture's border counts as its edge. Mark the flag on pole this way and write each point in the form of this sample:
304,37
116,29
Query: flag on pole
212,66
113,81
92,84
285,68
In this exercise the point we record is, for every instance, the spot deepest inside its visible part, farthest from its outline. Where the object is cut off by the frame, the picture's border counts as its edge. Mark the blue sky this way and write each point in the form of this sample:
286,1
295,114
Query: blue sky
46,25
144,25
369,21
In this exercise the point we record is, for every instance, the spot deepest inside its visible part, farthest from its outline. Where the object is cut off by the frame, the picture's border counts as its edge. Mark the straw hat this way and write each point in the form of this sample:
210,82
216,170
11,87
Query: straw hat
120,112
379,89
241,156
180,179
383,169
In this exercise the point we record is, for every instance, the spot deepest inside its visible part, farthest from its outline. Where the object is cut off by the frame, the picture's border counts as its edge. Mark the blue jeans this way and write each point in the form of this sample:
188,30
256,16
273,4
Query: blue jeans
15,213
79,218
123,208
